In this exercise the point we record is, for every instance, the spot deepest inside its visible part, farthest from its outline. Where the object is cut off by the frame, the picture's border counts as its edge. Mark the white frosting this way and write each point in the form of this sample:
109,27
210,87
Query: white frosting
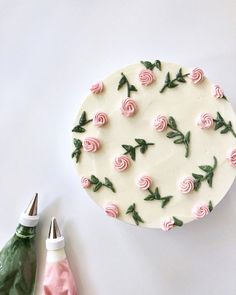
165,161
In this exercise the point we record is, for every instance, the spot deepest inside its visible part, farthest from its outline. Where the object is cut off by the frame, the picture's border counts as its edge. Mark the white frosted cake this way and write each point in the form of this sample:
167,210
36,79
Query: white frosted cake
155,144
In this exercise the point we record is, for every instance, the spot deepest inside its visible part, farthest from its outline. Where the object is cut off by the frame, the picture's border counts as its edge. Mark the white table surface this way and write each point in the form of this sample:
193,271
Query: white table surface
50,53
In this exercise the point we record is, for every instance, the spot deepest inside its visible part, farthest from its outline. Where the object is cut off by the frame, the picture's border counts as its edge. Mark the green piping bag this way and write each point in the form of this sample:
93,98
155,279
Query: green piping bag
18,256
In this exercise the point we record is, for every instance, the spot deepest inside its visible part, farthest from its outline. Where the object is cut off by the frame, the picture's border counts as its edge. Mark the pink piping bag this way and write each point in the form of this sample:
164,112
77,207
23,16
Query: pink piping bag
58,278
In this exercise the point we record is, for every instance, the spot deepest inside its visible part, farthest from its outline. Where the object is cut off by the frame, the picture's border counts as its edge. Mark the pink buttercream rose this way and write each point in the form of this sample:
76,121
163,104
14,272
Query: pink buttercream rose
85,182
205,121
121,163
167,224
100,119
97,88
186,184
144,182
146,77
91,144
160,123
217,91
200,210
112,210
128,107
196,75
231,156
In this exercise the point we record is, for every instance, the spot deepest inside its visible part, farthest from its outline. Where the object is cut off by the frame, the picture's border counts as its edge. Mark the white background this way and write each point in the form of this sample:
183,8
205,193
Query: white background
50,54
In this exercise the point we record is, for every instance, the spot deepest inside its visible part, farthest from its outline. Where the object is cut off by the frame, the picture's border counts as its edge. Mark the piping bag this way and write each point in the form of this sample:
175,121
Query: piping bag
58,278
18,257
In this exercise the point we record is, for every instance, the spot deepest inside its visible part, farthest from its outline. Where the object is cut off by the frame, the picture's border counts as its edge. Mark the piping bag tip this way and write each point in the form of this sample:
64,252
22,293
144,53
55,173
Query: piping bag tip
32,209
54,231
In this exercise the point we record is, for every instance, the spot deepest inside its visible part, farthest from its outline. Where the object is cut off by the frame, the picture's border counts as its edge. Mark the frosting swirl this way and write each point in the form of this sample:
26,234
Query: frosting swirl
100,119
144,182
91,144
196,75
146,77
167,224
200,210
186,184
205,121
97,88
231,156
128,107
111,210
160,123
85,182
121,163
217,91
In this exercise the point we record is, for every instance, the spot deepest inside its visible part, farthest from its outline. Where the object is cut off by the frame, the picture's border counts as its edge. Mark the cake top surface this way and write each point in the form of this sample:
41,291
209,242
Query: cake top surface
155,144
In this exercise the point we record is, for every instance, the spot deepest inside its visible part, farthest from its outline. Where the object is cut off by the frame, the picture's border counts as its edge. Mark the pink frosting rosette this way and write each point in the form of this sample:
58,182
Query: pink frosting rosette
160,123
144,182
85,182
186,184
128,107
205,121
111,210
200,210
231,156
100,119
97,88
121,163
167,224
196,75
146,77
91,144
217,91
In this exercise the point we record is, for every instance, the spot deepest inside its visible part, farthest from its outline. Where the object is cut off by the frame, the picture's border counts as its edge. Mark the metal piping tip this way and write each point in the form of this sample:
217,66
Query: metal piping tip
32,209
54,231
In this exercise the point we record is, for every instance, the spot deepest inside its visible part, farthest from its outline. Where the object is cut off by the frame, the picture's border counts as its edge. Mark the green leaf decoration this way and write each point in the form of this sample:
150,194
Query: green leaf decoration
206,168
130,209
98,184
82,122
94,179
150,66
109,184
209,174
179,78
177,222
210,206
78,129
83,119
77,152
220,122
142,145
156,196
124,81
172,123
136,217
180,138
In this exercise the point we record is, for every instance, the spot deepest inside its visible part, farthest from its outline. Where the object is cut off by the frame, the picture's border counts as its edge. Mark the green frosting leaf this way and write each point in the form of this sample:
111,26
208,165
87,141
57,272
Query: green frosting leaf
98,184
220,122
131,150
173,83
82,122
136,217
180,137
149,65
177,222
209,174
124,81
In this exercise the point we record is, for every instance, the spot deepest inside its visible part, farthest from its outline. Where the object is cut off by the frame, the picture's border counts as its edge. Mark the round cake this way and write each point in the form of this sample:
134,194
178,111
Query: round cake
155,144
